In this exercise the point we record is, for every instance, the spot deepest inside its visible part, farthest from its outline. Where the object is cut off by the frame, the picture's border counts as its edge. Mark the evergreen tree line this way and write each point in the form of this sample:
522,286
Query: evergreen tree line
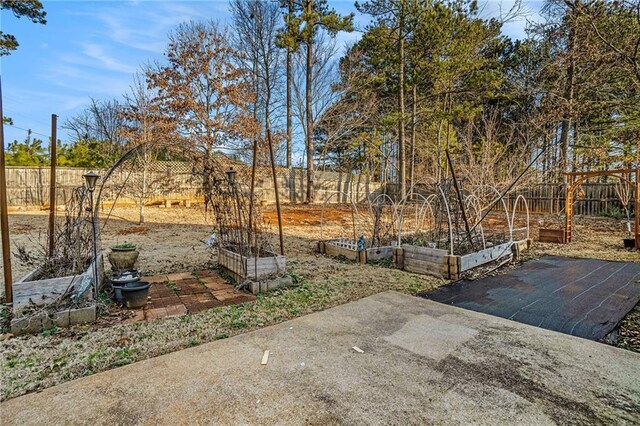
426,77
431,76
83,153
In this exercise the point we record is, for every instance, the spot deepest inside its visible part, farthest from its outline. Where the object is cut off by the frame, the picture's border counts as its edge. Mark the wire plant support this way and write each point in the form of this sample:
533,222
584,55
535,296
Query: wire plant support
441,228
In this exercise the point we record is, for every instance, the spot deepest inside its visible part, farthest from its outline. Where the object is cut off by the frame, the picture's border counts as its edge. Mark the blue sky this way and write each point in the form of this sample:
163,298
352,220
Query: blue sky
93,48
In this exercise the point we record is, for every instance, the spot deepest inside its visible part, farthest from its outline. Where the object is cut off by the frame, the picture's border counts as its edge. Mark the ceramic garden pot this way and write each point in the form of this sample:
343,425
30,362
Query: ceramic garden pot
121,260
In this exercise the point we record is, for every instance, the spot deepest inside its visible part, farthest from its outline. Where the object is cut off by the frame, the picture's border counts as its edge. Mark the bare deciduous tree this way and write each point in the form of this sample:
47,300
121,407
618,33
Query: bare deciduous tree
207,92
101,120
102,123
147,130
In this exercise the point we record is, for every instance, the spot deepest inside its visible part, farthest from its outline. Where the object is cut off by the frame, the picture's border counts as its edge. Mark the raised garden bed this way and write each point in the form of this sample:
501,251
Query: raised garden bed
349,249
34,301
439,262
264,273
423,260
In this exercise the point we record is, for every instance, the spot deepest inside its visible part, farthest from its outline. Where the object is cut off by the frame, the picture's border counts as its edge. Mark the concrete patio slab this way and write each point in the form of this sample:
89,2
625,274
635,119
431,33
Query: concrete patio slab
422,362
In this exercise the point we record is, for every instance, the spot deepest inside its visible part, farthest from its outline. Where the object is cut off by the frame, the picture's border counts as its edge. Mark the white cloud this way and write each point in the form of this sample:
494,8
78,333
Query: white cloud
98,53
90,82
22,100
144,25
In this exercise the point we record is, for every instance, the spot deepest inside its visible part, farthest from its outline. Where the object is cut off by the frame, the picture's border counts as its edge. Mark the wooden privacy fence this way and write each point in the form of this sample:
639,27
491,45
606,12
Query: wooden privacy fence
29,186
591,199
332,187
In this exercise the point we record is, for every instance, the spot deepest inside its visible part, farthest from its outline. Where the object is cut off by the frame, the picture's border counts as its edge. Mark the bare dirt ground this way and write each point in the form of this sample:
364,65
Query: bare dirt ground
171,240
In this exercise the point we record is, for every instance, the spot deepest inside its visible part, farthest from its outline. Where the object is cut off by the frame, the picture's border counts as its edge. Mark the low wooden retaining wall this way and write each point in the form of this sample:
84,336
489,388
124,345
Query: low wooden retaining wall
423,260
438,262
472,260
349,249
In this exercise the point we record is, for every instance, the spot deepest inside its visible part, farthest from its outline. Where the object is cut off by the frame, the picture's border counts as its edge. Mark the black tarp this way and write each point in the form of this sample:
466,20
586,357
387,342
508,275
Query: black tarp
581,297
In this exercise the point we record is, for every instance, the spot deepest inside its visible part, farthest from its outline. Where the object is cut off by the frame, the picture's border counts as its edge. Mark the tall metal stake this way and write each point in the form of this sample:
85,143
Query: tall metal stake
637,210
52,184
94,235
455,185
4,216
90,180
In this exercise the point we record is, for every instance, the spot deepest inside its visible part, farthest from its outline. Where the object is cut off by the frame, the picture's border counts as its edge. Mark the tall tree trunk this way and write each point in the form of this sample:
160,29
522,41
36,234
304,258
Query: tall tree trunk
310,168
545,156
568,98
554,158
438,166
574,156
412,159
401,141
207,173
143,194
449,108
254,146
289,110
267,129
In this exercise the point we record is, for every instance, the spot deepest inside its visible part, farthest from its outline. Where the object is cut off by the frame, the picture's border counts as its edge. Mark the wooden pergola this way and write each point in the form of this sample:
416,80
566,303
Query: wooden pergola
576,179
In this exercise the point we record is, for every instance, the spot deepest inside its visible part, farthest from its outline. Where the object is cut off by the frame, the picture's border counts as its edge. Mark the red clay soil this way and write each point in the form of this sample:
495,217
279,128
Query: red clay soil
297,215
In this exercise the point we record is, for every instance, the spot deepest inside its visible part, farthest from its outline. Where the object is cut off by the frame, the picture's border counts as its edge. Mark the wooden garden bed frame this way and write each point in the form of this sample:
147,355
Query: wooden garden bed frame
242,268
548,235
349,249
440,263
46,292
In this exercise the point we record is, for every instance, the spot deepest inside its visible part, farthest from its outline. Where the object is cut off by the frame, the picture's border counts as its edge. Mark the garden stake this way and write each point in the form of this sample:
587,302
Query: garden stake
52,183
462,209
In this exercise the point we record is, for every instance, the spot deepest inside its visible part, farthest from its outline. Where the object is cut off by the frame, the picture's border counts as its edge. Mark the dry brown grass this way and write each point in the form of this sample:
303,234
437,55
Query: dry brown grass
171,243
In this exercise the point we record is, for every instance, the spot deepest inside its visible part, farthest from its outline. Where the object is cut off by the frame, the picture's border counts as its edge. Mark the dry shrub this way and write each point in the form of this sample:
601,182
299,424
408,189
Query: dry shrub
72,246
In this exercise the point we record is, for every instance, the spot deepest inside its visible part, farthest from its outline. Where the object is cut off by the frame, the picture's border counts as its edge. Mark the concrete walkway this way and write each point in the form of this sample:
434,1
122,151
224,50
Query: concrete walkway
423,362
